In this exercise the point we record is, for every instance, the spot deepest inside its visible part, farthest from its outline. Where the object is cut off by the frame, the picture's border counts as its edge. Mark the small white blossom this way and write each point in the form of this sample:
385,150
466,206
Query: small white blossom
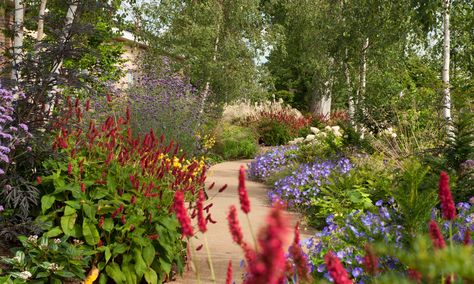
314,130
33,239
25,275
299,140
309,138
57,241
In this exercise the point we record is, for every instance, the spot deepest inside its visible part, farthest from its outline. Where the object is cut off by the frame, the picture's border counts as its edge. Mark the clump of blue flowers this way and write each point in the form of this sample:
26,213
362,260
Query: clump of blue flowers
272,161
304,183
347,237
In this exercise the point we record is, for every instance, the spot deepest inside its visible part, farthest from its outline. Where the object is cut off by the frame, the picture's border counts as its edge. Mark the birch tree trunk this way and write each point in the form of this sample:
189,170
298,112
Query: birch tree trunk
17,39
445,72
40,33
363,78
207,87
347,74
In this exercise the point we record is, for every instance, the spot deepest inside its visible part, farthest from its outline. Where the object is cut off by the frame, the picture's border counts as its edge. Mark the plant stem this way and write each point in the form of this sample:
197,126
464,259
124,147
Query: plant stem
213,276
193,265
252,233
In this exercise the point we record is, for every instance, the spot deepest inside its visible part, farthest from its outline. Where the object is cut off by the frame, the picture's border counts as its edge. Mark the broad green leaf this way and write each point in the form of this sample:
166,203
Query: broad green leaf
140,265
68,210
89,230
149,254
89,211
103,278
113,271
46,202
165,265
54,232
108,224
74,204
108,254
120,249
151,276
67,223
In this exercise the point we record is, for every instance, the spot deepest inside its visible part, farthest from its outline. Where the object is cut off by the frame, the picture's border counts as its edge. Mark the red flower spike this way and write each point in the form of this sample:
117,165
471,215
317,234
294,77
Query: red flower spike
128,113
202,224
123,219
436,236
153,237
299,258
83,187
101,222
228,278
38,180
211,186
270,263
445,197
100,243
108,98
414,275
88,105
370,260
234,226
336,270
199,247
467,238
243,195
133,200
132,228
182,215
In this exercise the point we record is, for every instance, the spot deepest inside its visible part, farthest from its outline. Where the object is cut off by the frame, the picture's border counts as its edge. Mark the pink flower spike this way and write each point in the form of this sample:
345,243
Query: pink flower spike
234,226
336,270
182,214
228,279
243,195
445,197
202,223
436,236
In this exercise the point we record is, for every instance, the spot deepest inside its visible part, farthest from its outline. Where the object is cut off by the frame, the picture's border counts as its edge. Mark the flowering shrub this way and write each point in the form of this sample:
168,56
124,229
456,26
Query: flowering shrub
116,193
271,162
236,142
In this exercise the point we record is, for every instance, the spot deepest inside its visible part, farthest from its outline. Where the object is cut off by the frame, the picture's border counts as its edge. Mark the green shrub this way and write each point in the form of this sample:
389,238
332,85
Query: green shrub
287,96
274,133
236,142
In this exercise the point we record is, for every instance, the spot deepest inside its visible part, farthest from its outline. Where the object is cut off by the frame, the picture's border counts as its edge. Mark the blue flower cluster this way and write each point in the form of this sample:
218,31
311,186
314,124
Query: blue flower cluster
272,161
359,228
302,184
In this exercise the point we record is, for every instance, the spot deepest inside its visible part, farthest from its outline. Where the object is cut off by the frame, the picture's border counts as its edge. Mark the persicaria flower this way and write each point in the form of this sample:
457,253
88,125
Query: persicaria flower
69,168
370,260
133,200
269,265
243,195
414,275
228,279
202,223
445,197
299,258
234,226
83,187
38,180
467,237
336,270
436,236
182,215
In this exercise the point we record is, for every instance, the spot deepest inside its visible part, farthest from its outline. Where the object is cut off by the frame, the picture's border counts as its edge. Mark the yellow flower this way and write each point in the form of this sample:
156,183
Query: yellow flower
92,276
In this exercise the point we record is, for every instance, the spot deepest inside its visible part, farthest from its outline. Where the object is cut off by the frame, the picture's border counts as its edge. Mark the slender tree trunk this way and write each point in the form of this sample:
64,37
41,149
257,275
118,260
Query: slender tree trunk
40,34
446,63
321,98
207,87
362,78
347,74
17,39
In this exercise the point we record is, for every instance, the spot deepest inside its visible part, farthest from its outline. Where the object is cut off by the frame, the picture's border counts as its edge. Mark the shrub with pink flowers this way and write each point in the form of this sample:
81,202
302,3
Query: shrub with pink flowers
120,195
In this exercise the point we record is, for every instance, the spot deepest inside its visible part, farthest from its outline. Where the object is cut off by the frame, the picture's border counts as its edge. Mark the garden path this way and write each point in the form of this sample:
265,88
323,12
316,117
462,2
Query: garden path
220,241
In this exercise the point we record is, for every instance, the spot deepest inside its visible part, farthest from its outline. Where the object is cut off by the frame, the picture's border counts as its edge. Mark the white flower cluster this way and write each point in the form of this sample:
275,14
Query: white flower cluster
318,134
244,110
25,275
388,132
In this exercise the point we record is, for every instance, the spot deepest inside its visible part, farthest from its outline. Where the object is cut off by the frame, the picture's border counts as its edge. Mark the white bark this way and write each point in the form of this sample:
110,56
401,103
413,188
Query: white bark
347,74
17,38
207,87
363,72
71,14
446,63
42,8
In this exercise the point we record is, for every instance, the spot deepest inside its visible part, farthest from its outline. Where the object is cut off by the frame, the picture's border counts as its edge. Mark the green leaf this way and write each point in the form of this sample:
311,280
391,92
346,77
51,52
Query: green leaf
120,249
140,265
89,211
89,230
54,232
103,278
165,265
108,224
108,254
149,254
111,182
114,272
68,210
151,276
74,204
67,224
46,202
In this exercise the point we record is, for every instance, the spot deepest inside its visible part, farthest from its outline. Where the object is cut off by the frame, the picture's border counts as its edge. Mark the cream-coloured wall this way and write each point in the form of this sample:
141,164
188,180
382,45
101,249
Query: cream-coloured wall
131,57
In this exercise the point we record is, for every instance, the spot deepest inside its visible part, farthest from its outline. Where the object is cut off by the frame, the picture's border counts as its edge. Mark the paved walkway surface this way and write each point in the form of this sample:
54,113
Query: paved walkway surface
220,241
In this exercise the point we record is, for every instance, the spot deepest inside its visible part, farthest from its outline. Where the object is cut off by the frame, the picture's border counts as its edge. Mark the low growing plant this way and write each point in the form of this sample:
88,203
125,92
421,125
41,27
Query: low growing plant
236,142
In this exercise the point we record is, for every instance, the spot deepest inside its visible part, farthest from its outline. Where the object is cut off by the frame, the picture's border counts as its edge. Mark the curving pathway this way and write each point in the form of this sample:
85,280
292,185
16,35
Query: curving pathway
220,241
